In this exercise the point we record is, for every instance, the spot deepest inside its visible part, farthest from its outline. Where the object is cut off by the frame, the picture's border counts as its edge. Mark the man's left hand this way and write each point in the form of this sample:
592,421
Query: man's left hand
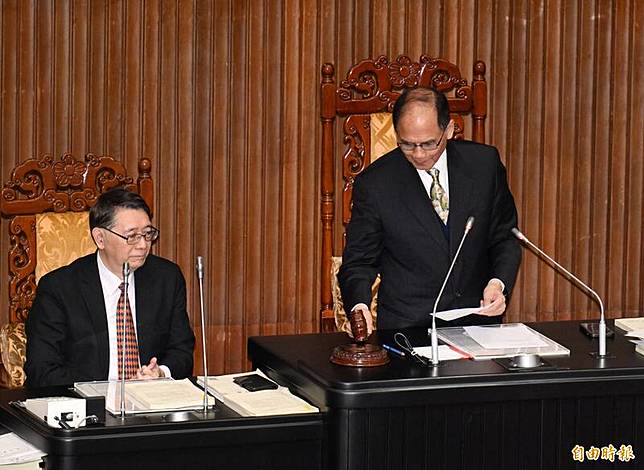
151,371
493,302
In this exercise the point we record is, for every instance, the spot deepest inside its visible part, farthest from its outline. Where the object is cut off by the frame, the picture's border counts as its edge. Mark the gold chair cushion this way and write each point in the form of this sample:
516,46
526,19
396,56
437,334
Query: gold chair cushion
13,347
60,239
341,320
383,136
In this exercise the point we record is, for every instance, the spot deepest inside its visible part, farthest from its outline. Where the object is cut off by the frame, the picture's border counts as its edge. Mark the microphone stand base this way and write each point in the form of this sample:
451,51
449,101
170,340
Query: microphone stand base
596,355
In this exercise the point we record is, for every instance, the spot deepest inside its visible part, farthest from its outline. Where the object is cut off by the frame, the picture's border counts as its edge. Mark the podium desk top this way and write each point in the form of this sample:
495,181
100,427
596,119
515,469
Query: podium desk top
301,362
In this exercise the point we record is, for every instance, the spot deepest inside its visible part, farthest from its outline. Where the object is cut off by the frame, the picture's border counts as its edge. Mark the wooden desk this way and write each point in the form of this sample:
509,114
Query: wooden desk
466,414
152,441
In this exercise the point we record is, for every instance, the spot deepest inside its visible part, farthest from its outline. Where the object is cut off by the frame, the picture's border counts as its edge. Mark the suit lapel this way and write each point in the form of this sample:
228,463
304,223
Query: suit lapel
460,196
92,293
143,292
419,204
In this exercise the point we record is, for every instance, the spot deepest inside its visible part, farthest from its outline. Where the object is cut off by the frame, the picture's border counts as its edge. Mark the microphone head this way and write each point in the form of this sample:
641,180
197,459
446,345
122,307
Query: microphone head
200,266
517,233
470,223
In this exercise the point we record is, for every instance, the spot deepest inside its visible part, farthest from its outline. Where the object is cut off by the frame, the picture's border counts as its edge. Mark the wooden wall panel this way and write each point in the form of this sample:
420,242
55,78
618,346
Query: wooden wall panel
222,96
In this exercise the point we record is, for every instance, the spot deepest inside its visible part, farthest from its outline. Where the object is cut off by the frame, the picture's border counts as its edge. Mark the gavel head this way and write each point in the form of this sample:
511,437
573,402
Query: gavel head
358,326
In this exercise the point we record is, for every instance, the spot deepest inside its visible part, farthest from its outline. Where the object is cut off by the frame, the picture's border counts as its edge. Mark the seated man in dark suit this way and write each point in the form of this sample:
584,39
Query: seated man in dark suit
74,329
409,212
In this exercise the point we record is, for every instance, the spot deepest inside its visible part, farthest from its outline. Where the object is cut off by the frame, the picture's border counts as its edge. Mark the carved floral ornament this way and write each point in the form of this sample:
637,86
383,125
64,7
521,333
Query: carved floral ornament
58,185
382,80
69,172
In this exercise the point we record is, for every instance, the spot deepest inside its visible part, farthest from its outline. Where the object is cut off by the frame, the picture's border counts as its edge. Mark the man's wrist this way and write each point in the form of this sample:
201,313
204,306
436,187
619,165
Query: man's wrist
499,282
164,372
359,306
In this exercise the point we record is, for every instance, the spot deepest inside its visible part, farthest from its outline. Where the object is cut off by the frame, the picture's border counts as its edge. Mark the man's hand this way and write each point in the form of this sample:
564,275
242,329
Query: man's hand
151,371
367,317
493,302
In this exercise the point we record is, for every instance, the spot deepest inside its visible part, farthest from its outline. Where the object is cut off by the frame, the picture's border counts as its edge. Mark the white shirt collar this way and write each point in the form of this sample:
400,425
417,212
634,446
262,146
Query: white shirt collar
109,280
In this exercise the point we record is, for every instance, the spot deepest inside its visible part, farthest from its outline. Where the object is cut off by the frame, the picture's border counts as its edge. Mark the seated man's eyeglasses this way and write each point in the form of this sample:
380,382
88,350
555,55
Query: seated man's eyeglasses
150,235
428,146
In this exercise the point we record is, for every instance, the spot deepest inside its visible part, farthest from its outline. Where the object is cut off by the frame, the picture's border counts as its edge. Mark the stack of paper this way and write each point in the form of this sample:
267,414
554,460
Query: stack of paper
637,338
630,324
160,395
260,403
16,453
144,396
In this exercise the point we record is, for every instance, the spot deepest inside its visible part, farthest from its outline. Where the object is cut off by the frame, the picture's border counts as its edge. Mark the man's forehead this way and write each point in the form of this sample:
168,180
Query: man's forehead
134,218
419,115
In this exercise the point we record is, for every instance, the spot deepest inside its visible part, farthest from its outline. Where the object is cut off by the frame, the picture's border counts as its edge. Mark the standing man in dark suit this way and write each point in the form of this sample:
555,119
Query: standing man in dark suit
408,219
72,326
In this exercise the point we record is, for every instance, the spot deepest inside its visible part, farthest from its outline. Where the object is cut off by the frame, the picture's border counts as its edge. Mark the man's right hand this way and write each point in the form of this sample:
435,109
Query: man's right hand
367,317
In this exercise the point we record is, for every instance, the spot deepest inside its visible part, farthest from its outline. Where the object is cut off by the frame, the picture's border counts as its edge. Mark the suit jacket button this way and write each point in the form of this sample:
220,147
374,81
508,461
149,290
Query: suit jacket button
458,293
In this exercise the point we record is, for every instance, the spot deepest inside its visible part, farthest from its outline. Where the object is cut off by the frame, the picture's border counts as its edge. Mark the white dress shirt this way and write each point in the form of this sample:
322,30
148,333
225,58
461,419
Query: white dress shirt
443,175
111,293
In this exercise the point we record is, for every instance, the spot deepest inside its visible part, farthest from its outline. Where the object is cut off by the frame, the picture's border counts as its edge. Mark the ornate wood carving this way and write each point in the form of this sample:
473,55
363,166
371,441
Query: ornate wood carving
48,185
372,86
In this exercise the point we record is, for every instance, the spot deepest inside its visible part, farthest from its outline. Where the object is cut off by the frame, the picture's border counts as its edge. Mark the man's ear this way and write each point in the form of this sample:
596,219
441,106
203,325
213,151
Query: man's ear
99,237
451,128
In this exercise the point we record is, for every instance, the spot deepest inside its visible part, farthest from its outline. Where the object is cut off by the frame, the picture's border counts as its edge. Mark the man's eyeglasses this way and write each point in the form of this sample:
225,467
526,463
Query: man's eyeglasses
150,235
426,146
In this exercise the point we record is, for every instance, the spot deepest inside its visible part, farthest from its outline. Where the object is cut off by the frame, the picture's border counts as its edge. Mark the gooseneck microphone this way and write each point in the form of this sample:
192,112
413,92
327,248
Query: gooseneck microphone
576,281
434,337
203,334
126,275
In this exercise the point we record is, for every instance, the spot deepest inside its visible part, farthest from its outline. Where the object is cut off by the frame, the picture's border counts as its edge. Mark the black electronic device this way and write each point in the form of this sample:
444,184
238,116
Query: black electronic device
592,330
254,383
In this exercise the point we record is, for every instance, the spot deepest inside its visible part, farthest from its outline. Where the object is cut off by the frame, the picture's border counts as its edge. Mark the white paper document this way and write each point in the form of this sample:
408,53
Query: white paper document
445,353
635,334
259,403
145,396
14,450
505,337
449,315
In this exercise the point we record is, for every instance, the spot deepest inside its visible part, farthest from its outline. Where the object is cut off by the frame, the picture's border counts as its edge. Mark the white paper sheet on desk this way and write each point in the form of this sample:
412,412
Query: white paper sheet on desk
445,353
449,315
505,336
14,450
636,334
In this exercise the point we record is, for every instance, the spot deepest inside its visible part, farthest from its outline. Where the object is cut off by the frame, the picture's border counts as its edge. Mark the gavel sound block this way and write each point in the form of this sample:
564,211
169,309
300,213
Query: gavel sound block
359,353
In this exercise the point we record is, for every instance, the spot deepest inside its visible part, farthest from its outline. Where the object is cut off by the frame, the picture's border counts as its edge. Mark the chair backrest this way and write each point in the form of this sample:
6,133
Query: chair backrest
365,100
47,203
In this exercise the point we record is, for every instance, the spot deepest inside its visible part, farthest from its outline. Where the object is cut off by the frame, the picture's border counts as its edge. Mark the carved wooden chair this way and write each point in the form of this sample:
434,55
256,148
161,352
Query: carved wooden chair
364,100
47,203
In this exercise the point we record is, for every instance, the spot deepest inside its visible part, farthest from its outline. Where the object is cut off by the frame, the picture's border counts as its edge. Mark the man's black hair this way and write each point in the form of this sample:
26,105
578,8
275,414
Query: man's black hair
103,212
429,96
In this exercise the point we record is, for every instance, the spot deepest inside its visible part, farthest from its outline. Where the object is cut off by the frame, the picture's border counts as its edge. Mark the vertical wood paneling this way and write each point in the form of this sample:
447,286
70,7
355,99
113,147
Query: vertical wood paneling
96,63
25,111
114,79
255,170
289,182
79,73
203,161
552,136
222,96
217,277
633,144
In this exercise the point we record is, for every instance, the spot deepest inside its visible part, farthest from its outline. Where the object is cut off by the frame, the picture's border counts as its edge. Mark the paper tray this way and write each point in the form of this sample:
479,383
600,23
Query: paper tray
459,339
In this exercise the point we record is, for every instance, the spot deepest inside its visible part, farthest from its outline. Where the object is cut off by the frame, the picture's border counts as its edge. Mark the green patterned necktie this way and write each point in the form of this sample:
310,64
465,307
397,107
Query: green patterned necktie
438,196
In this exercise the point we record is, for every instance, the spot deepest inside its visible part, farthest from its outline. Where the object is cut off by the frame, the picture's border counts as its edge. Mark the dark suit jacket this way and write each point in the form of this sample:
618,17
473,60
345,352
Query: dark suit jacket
395,231
67,339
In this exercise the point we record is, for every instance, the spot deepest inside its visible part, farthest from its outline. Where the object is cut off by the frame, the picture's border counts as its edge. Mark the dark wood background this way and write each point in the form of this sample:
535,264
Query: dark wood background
222,96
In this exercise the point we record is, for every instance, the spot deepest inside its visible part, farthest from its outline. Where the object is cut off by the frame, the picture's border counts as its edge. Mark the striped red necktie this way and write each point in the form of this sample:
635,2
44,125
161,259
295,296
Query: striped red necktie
131,346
